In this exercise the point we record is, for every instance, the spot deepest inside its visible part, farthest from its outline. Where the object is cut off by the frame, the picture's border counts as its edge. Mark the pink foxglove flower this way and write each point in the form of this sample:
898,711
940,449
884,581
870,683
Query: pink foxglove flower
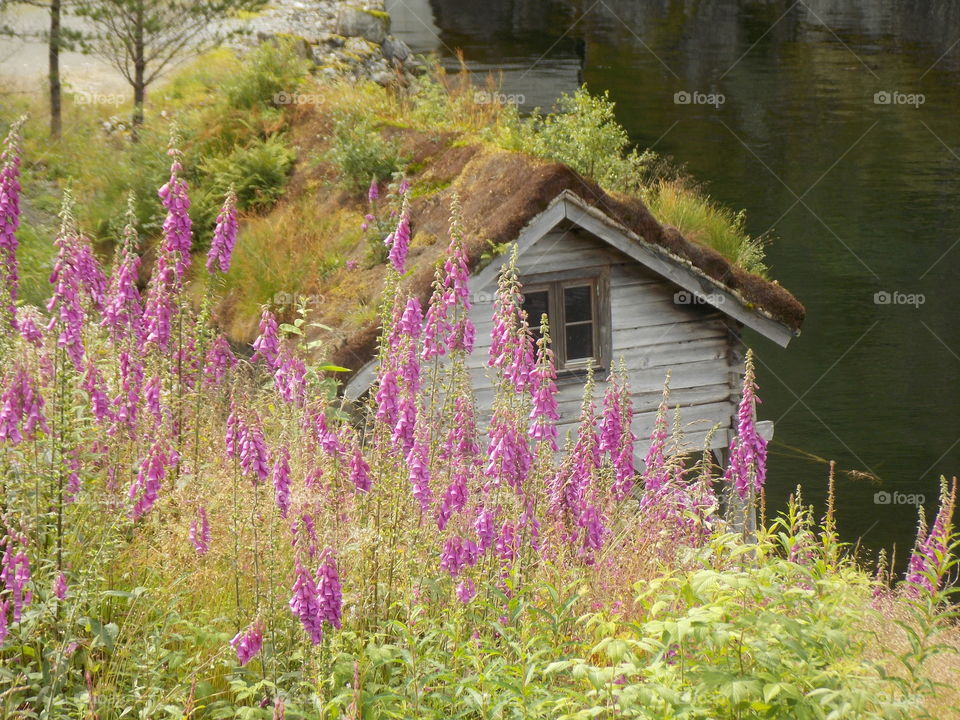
21,408
177,227
254,460
616,436
122,311
484,526
418,462
507,544
200,532
4,628
127,402
359,470
405,429
151,395
329,591
509,455
153,470
929,559
220,359
267,344
747,470
99,403
290,378
594,532
30,324
373,193
458,554
76,277
466,591
388,394
454,498
448,325
511,343
398,241
305,604
543,413
9,218
281,481
173,259
15,573
248,643
224,236
60,586
327,437
656,471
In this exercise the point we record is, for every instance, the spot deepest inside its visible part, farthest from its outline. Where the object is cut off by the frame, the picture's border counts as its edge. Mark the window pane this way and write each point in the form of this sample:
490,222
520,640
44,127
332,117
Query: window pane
577,303
536,304
579,341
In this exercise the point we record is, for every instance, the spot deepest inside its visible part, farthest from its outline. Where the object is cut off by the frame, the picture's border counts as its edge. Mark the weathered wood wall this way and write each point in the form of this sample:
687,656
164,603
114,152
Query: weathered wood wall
650,331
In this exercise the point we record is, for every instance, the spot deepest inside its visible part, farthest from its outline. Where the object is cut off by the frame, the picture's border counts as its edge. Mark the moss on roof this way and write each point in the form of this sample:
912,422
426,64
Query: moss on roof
500,193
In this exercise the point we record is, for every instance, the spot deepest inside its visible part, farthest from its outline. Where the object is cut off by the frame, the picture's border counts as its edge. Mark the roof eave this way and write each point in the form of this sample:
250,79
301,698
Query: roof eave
676,269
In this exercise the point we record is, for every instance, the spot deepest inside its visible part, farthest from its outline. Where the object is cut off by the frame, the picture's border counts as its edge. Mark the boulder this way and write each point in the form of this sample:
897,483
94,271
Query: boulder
360,48
383,78
394,49
372,25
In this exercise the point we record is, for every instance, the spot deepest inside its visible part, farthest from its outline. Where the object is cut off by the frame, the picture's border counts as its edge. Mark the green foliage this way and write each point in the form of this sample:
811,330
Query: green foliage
274,69
258,173
685,207
584,133
359,151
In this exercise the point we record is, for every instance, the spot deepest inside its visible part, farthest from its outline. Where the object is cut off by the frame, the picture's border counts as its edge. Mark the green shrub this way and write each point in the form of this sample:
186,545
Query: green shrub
773,639
273,68
584,133
360,152
258,173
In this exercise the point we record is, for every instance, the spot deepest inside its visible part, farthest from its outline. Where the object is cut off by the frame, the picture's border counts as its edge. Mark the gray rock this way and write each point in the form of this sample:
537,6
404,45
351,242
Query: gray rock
395,49
361,48
382,78
354,21
330,39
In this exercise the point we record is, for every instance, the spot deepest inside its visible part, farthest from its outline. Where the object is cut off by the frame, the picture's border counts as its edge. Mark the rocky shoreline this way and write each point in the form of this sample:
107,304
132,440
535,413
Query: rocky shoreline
343,38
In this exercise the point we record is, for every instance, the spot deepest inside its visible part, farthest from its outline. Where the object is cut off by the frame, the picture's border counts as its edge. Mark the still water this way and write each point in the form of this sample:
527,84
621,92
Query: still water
838,133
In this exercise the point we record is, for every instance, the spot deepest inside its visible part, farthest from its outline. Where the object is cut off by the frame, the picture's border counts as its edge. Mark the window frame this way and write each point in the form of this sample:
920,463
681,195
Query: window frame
554,284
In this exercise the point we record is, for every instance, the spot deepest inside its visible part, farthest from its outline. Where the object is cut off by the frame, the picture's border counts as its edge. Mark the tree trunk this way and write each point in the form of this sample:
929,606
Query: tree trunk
139,66
53,47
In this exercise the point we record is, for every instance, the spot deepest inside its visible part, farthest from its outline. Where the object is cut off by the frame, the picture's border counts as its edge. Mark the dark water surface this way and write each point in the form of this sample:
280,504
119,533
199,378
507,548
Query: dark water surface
862,196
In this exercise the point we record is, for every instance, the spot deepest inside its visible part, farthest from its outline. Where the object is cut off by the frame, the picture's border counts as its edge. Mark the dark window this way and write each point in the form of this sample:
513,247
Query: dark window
573,309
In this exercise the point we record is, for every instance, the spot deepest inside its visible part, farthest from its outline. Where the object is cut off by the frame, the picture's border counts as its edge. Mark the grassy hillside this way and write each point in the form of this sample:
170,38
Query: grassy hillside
301,167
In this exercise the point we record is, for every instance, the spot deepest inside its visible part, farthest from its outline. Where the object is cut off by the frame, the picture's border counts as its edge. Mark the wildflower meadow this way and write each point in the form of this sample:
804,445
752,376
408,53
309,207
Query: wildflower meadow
196,530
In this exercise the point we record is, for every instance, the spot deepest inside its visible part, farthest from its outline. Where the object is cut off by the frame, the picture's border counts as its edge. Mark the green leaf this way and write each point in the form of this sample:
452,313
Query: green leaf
332,368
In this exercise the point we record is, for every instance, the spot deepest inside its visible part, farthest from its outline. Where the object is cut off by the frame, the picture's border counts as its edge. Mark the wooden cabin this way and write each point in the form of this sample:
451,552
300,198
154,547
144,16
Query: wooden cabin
610,294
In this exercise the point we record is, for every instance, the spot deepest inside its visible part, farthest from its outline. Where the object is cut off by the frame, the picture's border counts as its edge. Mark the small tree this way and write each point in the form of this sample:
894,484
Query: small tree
143,38
57,38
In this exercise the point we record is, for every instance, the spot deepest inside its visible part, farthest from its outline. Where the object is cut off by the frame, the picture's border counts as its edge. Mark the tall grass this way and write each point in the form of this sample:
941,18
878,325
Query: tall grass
700,219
